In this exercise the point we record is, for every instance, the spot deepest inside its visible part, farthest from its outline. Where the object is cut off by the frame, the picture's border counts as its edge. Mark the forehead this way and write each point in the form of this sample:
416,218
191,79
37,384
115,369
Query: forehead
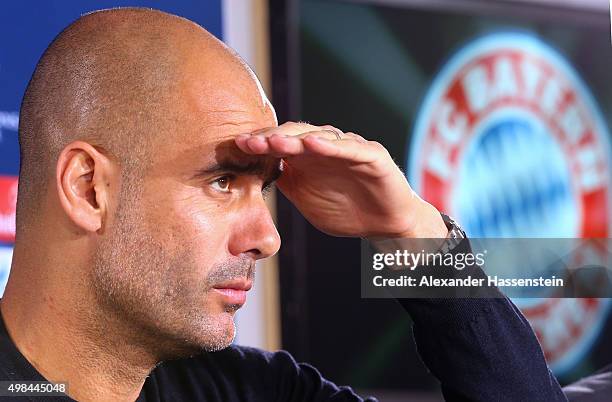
214,121
221,82
225,94
217,98
207,123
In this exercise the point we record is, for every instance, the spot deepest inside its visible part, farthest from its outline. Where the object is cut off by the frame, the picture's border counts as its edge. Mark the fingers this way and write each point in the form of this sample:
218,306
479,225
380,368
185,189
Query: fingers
302,129
292,139
274,145
291,128
361,151
325,143
355,137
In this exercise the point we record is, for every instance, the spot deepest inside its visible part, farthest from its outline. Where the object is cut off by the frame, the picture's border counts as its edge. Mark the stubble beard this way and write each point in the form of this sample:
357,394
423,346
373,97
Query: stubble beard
151,296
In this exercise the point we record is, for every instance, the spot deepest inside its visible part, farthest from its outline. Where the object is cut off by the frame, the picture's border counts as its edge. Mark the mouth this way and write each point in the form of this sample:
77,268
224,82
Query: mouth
234,292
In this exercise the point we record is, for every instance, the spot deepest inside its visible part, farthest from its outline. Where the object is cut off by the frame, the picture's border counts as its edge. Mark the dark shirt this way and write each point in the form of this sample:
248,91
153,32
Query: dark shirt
479,349
236,373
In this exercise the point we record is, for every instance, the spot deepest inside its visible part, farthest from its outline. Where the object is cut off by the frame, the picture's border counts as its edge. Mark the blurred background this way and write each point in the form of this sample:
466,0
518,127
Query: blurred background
497,110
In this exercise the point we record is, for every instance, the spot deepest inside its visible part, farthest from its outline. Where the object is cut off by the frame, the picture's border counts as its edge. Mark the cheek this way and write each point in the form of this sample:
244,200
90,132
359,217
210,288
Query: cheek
197,226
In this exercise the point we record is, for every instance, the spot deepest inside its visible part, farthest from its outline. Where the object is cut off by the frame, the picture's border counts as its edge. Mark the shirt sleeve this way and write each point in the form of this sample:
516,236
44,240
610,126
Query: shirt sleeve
481,349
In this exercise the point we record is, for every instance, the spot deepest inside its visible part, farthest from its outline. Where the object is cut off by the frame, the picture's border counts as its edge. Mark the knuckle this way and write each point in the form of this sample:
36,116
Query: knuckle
300,127
380,147
328,127
352,134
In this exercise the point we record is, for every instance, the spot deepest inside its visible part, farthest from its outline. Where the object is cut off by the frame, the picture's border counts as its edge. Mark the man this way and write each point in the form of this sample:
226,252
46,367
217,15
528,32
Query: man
146,147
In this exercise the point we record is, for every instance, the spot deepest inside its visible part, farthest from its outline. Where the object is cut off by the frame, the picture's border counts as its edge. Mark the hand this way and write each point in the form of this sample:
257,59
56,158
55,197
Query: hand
344,187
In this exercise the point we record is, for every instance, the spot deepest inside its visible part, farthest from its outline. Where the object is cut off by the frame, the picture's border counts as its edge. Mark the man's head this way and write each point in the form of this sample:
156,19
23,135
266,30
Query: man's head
126,134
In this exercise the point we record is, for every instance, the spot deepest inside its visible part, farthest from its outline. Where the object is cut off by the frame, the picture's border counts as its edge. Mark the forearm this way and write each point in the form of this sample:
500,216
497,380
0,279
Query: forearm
481,349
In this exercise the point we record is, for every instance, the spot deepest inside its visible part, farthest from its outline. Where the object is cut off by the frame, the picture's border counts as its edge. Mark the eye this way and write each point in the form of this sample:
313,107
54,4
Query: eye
222,184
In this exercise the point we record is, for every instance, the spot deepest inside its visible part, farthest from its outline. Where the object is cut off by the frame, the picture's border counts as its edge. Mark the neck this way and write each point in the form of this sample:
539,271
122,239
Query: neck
67,338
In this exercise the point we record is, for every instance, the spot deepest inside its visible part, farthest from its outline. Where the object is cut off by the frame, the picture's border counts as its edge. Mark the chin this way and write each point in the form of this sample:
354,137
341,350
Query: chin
207,336
216,334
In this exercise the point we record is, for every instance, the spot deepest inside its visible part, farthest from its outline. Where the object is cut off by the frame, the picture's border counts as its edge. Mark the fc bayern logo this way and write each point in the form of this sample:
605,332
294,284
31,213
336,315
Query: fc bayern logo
510,141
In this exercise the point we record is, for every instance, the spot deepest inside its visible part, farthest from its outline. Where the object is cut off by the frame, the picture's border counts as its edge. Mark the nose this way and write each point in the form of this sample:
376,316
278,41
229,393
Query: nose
254,232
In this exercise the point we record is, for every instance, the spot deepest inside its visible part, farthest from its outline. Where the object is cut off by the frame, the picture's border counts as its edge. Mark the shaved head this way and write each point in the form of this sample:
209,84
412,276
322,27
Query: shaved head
127,134
108,79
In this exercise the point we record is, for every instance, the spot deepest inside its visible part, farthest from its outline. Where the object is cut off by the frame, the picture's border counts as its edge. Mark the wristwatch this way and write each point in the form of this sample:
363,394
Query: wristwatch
455,234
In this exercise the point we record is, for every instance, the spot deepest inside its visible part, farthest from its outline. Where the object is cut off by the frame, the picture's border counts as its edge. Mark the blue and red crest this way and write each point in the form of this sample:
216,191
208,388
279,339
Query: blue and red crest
510,141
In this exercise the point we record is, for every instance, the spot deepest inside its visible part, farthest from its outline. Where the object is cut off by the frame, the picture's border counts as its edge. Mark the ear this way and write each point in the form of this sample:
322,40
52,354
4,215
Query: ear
84,179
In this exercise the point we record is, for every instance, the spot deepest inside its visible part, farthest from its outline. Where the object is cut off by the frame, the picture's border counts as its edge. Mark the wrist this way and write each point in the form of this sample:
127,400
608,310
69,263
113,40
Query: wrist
427,232
428,224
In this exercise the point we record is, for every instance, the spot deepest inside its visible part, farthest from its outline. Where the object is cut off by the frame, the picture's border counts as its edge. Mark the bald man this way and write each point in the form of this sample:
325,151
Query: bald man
147,147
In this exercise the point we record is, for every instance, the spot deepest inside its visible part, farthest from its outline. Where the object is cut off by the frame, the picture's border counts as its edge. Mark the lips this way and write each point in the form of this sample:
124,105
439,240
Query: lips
236,284
234,292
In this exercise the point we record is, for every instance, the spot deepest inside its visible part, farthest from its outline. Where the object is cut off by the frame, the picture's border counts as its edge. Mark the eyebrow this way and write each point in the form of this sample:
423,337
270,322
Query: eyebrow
254,168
